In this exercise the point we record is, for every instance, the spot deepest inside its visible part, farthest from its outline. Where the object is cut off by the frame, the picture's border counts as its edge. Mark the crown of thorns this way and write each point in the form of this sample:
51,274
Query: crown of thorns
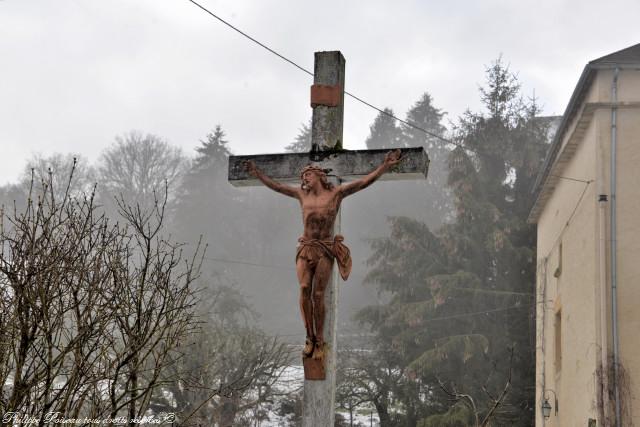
312,168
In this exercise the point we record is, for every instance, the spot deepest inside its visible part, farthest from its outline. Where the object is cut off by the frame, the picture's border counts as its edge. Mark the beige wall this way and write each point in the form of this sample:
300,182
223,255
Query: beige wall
575,293
575,282
628,86
628,236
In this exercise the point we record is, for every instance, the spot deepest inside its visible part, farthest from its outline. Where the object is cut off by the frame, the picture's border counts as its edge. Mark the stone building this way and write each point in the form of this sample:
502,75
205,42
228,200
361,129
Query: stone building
587,211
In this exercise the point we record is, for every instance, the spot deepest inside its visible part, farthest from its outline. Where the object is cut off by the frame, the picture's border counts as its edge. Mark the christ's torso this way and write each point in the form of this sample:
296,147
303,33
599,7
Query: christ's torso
319,213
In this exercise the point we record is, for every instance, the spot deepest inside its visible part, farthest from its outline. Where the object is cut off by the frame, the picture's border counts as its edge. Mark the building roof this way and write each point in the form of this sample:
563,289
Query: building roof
546,182
630,55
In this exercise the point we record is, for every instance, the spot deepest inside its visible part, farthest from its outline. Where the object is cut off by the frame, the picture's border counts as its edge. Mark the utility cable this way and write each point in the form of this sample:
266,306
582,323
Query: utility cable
301,68
278,267
255,264
385,112
566,225
493,291
453,316
284,58
568,178
282,267
456,316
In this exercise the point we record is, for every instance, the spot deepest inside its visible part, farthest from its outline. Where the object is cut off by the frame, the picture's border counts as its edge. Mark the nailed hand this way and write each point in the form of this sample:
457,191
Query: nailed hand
250,166
392,158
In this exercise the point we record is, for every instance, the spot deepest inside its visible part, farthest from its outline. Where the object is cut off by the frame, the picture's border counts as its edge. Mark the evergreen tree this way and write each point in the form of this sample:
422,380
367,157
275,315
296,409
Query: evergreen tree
423,115
461,299
427,199
384,132
302,142
205,195
239,225
212,153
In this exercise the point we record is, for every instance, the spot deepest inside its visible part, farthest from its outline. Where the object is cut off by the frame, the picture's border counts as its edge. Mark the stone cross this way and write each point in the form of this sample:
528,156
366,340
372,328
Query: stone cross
327,101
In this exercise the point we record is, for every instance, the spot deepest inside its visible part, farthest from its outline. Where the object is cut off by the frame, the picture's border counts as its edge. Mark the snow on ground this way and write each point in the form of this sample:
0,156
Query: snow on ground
289,383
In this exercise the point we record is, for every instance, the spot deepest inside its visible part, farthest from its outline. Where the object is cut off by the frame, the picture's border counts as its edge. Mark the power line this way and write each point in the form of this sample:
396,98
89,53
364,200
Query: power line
282,267
493,291
254,264
566,225
301,68
252,39
455,316
568,178
405,122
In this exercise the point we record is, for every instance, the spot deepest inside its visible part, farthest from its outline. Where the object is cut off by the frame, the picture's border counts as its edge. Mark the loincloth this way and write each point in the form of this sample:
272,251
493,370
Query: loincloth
312,250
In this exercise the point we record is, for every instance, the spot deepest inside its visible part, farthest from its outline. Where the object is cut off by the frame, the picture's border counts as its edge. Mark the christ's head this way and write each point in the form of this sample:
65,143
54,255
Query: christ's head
311,175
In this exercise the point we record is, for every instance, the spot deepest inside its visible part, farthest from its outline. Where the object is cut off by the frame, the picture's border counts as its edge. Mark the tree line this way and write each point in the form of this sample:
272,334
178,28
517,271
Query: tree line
454,342
107,311
119,293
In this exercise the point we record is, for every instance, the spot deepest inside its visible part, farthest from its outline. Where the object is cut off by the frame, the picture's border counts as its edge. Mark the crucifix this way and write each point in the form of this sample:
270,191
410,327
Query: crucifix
325,176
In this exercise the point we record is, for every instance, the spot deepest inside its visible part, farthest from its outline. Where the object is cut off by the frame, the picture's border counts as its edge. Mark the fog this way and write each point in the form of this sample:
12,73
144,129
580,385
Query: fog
251,232
76,74
448,235
139,105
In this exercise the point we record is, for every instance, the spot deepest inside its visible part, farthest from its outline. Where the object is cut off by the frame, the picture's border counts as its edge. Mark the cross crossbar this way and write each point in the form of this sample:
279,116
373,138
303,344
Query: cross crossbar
347,165
321,218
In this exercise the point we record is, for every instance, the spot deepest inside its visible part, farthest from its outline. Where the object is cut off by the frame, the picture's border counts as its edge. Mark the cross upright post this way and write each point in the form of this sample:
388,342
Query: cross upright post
328,157
327,101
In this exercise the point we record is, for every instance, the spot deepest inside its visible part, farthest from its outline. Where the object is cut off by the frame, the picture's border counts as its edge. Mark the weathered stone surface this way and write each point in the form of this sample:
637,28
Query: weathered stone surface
341,165
318,405
346,164
326,122
319,398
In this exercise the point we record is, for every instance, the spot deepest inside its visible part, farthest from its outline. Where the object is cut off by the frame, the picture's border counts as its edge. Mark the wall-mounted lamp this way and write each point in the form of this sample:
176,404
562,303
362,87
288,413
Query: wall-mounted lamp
546,406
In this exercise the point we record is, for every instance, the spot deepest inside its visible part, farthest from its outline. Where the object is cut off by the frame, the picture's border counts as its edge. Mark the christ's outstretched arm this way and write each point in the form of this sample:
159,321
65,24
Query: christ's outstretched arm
391,159
287,190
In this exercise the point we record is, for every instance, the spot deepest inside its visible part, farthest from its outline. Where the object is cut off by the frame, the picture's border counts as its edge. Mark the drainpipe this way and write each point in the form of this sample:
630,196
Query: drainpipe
614,239
543,308
604,403
603,378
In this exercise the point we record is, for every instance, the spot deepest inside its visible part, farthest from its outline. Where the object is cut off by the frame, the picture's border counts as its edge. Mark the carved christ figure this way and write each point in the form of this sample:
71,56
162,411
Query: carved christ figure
317,248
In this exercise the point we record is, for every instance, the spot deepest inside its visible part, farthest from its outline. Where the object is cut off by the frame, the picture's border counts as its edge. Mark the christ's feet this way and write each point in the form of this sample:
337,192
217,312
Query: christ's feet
318,350
307,351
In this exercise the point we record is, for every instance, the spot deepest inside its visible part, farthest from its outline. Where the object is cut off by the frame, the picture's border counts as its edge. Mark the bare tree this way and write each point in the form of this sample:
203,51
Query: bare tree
373,378
56,170
53,170
228,371
153,304
349,395
136,167
91,312
481,416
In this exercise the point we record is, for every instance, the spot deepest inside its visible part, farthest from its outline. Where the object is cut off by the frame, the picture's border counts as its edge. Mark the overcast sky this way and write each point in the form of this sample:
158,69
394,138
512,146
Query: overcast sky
76,73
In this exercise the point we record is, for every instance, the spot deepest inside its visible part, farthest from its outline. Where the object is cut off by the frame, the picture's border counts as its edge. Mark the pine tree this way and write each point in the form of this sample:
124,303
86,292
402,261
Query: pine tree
302,142
462,297
204,186
204,195
213,152
238,225
427,200
425,116
384,132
